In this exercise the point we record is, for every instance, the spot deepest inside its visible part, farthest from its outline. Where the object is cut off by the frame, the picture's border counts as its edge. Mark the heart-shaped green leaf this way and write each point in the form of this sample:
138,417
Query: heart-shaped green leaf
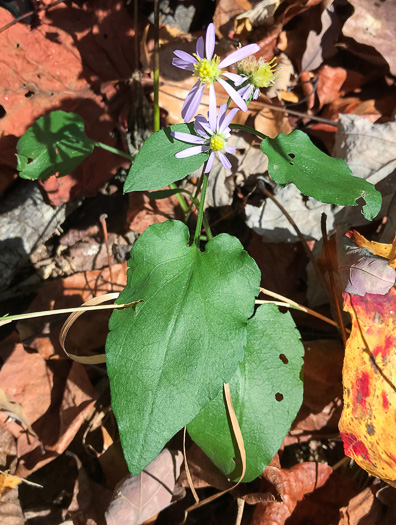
57,143
266,394
170,357
155,166
295,159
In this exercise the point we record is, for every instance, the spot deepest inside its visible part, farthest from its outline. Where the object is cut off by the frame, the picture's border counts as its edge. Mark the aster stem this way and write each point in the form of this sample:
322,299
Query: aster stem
113,150
248,129
201,210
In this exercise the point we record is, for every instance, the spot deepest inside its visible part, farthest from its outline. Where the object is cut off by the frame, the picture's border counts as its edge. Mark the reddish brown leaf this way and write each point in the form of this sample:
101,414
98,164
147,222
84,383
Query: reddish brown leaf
298,481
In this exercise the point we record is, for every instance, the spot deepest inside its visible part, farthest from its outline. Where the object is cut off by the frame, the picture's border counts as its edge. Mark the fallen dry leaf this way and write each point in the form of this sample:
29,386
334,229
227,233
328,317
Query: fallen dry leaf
363,508
297,482
15,411
367,424
56,397
7,481
388,251
140,497
322,406
373,24
360,270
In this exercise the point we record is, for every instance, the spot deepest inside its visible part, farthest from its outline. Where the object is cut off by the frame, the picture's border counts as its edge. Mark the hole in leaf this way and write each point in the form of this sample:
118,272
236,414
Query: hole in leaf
283,358
3,112
291,155
278,396
29,94
291,163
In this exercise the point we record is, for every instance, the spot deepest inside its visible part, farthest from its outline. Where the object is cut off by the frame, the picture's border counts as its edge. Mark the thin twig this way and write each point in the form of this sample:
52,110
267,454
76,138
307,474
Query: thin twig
289,302
259,105
331,276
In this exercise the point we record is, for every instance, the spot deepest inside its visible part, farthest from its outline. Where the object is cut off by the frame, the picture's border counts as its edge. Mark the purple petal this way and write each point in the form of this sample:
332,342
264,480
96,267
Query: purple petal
246,91
227,119
185,56
237,79
230,149
209,162
200,47
239,54
210,41
189,152
212,107
226,163
178,62
222,110
256,94
234,95
201,121
192,102
186,137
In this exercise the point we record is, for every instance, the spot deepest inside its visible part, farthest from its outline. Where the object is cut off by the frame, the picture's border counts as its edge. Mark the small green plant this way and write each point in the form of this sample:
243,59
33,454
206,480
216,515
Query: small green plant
195,327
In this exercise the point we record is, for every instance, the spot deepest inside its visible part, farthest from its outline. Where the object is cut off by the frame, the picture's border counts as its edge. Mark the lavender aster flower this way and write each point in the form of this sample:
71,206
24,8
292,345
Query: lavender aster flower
208,68
213,135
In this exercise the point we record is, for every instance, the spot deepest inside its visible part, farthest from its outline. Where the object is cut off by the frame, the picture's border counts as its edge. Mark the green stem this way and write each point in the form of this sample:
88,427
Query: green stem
156,67
113,150
183,204
201,210
248,129
207,227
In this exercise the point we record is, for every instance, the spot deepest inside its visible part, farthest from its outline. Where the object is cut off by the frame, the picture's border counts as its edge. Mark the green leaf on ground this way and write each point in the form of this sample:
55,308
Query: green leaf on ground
295,159
171,356
57,143
155,166
266,394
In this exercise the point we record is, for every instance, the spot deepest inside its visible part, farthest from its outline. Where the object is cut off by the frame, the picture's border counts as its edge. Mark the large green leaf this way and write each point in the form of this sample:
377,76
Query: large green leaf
266,394
294,159
170,357
57,144
155,166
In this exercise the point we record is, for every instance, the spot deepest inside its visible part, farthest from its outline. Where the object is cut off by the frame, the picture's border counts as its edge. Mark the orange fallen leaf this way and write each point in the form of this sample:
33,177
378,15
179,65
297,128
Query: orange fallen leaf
388,251
8,482
368,421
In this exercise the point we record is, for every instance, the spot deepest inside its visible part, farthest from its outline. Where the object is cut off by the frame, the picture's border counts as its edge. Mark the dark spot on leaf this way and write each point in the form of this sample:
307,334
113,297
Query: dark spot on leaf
3,112
29,94
291,155
370,429
38,75
283,358
278,396
385,400
17,46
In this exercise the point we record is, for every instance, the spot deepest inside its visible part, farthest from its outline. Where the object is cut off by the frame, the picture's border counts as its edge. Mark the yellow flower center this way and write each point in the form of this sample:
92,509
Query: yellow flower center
261,74
217,142
207,70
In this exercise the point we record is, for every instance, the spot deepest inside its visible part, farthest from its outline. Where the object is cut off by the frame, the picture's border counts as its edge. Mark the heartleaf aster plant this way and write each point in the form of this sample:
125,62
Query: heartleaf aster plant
213,132
208,68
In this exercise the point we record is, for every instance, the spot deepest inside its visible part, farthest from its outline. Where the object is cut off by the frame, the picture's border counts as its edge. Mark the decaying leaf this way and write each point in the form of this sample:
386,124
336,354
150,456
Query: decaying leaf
361,271
296,483
373,24
367,424
388,251
140,497
8,482
15,411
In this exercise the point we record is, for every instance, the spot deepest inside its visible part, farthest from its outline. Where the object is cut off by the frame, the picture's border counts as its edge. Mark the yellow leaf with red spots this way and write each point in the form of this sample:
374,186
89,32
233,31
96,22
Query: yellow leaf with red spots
388,251
368,421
